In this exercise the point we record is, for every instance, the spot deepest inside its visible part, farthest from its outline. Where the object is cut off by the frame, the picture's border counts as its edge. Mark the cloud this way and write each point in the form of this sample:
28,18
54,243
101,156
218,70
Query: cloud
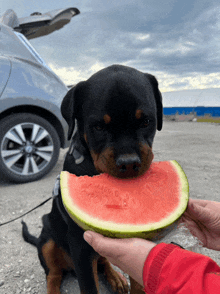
72,76
172,82
167,82
177,40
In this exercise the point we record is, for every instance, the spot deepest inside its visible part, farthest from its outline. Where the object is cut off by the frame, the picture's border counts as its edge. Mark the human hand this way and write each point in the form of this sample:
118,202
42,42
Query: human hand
202,217
127,254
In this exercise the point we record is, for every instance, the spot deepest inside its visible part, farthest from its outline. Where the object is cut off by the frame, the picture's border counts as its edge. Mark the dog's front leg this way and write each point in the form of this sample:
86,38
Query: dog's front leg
85,264
135,287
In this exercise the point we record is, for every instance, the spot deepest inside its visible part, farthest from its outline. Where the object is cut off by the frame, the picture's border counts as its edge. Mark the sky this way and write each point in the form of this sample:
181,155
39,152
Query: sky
177,41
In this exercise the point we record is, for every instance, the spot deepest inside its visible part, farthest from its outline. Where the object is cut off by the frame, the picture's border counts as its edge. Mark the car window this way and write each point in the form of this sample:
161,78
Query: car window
31,49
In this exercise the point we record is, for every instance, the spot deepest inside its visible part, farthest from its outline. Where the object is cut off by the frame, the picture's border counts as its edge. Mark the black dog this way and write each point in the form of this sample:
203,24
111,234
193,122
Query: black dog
117,112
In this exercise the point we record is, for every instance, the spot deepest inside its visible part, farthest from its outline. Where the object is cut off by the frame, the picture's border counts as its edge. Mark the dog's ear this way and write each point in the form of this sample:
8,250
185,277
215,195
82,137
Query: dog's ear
158,98
67,110
70,106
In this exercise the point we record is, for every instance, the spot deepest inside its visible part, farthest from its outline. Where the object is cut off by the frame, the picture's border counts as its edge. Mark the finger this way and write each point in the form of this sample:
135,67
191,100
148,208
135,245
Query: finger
200,202
198,212
106,247
116,248
94,239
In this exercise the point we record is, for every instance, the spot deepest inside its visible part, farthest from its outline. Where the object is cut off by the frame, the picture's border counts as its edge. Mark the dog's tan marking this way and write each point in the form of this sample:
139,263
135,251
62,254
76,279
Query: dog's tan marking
95,273
85,137
138,113
107,118
147,157
104,162
56,260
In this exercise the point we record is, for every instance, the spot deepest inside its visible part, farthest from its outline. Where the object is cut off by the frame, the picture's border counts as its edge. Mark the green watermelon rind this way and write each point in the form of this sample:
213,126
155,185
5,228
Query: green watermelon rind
111,229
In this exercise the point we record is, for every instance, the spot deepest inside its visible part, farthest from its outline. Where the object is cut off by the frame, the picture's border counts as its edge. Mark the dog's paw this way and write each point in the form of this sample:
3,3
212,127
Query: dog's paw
117,281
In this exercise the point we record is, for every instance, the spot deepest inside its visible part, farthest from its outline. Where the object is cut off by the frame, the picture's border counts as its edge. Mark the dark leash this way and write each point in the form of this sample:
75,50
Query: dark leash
12,220
54,194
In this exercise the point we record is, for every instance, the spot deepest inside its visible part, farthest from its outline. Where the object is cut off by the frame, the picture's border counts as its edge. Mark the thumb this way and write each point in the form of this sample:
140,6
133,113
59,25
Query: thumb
198,212
91,238
98,242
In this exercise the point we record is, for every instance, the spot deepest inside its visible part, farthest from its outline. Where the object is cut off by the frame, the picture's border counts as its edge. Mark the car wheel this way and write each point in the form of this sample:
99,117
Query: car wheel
29,147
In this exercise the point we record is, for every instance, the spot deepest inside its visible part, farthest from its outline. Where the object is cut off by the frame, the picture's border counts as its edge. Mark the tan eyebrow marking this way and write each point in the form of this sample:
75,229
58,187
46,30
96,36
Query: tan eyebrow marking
138,113
107,118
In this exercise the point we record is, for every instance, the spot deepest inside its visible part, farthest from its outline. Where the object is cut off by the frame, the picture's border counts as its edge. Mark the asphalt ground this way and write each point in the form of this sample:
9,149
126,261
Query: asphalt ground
196,146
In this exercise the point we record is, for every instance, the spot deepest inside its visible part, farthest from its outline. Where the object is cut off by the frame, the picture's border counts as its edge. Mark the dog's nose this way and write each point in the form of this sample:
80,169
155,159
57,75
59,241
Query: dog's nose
128,160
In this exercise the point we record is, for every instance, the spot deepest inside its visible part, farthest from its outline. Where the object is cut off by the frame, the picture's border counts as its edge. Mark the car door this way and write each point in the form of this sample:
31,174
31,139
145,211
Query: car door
5,70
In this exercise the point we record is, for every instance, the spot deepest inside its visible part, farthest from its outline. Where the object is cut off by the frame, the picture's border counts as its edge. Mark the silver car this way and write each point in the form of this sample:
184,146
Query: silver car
32,129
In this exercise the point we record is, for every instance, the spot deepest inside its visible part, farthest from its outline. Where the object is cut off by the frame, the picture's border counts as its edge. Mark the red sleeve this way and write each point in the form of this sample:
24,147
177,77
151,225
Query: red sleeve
170,269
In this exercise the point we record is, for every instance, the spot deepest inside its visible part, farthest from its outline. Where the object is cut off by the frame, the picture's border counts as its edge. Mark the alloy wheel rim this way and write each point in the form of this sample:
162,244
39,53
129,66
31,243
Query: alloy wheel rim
27,149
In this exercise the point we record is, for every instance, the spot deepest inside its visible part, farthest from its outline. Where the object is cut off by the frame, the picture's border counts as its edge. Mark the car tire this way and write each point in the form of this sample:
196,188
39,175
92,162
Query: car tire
29,147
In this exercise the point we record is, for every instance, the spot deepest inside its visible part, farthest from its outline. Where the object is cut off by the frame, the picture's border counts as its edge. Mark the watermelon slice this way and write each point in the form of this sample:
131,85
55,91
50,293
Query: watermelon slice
122,208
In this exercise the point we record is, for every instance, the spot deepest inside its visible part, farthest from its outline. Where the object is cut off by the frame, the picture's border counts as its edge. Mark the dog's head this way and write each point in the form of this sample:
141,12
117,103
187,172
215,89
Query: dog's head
117,110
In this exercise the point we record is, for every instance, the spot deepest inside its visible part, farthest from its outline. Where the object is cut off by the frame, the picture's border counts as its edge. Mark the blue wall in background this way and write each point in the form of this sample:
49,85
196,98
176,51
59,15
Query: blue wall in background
200,110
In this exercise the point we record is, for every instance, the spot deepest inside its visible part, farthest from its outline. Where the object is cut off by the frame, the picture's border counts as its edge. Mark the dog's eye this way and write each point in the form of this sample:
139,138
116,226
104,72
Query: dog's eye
98,127
145,123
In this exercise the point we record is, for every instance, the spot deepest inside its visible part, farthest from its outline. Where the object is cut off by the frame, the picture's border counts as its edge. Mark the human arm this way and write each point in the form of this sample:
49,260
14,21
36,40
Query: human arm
179,269
170,269
159,267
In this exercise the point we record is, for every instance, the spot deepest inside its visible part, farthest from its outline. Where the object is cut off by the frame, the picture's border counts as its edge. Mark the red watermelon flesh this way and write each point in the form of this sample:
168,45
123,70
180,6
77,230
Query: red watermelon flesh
127,207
